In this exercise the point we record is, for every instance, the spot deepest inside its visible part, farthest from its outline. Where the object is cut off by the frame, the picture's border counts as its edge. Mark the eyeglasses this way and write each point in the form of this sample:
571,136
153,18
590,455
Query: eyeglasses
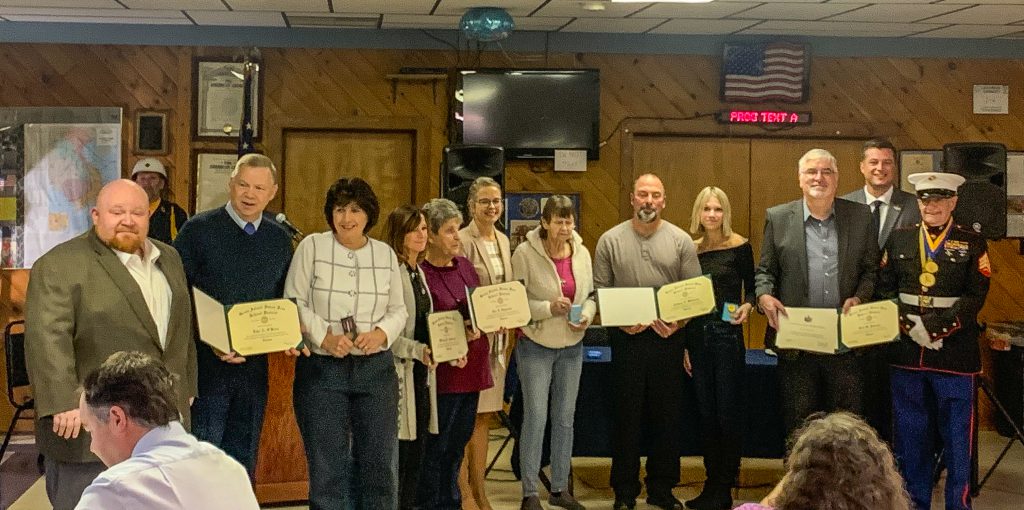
825,172
484,202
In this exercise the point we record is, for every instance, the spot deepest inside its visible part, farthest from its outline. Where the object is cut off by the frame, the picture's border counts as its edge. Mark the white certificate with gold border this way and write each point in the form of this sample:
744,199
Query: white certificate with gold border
256,327
685,299
502,305
447,336
809,329
870,324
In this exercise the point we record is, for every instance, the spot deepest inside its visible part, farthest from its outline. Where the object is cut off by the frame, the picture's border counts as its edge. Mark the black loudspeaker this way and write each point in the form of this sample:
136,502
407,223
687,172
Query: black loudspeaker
1008,373
982,202
462,164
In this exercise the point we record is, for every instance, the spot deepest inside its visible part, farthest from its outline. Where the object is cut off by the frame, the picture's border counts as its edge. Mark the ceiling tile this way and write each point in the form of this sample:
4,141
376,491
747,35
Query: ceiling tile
970,31
98,19
95,4
983,15
279,5
884,2
575,9
982,2
514,7
884,13
792,11
695,11
703,26
627,26
420,21
180,5
383,6
95,13
835,28
238,18
544,23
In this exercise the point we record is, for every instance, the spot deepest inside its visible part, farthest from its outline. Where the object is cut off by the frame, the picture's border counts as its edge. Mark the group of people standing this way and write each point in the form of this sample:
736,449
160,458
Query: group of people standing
384,426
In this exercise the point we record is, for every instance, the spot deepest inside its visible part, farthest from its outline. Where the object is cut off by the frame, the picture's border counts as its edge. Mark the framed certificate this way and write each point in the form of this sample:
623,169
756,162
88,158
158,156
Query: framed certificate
212,172
447,336
256,327
218,92
151,133
915,161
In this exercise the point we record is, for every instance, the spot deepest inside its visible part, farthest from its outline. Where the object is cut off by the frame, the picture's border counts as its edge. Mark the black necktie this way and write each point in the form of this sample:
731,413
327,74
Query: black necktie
876,215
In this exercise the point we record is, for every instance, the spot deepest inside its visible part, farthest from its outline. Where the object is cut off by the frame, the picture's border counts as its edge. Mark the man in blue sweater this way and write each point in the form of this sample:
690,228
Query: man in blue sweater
236,254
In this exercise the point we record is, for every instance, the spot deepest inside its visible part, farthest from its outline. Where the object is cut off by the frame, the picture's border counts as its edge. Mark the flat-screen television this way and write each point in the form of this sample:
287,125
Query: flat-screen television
529,112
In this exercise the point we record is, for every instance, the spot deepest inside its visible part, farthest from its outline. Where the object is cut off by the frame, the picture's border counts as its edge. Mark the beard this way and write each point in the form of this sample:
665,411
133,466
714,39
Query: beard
647,214
127,244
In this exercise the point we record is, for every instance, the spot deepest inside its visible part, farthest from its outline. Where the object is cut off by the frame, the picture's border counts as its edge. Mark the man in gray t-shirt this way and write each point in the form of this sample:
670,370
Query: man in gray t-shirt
647,359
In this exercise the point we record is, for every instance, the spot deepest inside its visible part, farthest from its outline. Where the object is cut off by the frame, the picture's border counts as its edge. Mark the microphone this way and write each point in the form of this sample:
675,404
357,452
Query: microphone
292,229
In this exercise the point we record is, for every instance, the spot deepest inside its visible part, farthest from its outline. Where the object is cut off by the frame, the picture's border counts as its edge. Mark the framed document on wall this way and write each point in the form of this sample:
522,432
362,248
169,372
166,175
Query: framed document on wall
151,133
212,172
218,93
915,161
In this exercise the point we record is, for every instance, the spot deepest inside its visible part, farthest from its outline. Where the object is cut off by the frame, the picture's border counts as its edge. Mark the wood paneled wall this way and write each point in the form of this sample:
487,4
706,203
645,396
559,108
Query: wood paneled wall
919,103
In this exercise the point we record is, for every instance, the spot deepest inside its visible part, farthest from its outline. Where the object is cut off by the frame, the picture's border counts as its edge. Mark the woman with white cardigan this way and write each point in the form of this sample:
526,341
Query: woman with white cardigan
556,269
406,232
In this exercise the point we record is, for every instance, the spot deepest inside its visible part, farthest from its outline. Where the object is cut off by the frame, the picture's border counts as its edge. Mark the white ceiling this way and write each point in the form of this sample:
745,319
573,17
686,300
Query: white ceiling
971,19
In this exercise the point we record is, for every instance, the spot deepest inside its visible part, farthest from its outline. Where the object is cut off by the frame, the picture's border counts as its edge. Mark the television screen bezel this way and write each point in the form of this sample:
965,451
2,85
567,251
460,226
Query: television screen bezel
514,153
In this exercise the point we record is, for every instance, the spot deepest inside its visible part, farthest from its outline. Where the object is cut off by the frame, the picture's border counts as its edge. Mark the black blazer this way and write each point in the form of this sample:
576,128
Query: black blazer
782,271
903,210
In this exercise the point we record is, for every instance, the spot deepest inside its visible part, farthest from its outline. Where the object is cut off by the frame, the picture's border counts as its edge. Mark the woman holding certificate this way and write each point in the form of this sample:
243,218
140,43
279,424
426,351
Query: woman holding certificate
459,383
349,291
556,269
488,249
406,232
715,355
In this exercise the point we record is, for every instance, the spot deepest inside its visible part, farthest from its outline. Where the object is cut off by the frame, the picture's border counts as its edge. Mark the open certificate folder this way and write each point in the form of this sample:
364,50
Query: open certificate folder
826,330
256,327
629,306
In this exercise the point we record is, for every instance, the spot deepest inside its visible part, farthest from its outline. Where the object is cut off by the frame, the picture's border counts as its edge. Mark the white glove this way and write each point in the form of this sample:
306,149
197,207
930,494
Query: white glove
920,335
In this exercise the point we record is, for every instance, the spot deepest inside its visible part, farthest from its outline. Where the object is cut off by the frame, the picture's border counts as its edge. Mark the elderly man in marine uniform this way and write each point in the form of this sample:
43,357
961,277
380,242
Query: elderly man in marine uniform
940,273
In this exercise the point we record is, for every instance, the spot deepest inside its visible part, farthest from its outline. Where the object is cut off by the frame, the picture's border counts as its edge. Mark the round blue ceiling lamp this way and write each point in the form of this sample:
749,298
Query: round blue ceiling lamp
486,24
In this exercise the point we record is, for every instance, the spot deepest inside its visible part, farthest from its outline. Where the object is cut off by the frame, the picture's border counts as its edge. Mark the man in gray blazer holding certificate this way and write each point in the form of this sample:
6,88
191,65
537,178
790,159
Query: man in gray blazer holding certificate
891,208
819,252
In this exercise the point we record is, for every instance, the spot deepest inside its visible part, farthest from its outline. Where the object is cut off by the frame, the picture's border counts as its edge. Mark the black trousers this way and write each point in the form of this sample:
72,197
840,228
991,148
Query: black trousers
718,358
818,382
647,381
877,403
410,453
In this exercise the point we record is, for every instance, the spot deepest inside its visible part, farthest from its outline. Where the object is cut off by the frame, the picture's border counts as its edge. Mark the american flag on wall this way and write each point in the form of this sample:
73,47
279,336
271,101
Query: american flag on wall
765,72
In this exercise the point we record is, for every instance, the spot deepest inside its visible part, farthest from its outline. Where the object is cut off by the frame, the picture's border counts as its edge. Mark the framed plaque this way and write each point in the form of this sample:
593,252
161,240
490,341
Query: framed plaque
151,133
212,172
218,92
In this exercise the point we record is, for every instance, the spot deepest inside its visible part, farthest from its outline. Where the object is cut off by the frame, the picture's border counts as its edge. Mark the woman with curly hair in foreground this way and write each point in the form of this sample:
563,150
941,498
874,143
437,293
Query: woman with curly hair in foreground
837,462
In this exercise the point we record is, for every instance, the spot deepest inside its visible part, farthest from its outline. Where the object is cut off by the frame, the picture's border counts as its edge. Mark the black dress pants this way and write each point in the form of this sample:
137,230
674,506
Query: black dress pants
812,382
647,385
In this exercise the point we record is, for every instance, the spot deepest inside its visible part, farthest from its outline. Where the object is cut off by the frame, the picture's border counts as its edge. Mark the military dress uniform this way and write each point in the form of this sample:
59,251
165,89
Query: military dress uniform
940,277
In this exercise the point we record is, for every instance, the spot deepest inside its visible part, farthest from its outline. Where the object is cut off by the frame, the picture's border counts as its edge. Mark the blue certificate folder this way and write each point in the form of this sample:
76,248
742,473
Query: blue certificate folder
255,327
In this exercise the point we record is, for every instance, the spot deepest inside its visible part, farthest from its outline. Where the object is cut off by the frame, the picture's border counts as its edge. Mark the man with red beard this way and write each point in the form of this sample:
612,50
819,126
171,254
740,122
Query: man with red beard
108,290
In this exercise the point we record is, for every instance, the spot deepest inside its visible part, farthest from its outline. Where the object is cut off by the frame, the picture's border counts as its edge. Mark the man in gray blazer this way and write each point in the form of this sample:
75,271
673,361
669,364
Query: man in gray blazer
819,252
890,206
108,290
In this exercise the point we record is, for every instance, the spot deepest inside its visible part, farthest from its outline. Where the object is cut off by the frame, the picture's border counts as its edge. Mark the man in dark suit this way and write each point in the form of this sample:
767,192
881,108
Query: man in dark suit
891,208
108,290
818,252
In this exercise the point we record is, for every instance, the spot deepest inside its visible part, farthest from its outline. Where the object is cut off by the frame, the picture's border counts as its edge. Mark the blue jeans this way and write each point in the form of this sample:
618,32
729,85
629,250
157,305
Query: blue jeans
545,374
439,478
347,412
718,357
228,412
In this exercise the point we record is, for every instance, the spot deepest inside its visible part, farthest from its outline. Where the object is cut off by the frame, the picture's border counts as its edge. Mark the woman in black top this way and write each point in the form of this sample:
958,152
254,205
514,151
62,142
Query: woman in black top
715,350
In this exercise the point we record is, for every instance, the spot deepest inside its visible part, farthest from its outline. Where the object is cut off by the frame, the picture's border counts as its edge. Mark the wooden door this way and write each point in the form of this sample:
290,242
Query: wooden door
313,160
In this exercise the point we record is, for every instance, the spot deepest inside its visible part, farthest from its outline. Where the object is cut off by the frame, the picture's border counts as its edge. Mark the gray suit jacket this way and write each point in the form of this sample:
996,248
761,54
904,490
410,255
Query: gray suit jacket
782,271
82,306
903,210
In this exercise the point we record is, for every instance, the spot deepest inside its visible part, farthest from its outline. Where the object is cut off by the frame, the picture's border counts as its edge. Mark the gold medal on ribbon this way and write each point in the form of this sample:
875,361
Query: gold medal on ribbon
931,267
927,279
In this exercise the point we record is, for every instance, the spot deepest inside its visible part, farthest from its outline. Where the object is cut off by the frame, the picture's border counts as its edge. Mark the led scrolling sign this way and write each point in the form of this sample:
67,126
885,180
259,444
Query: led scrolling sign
775,118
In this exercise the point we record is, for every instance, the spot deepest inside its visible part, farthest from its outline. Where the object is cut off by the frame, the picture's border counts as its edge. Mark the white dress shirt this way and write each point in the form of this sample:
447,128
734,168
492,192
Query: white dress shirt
153,284
171,469
886,198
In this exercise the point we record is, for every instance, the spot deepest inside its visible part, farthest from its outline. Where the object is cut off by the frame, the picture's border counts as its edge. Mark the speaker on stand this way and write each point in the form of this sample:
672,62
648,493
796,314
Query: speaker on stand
462,164
982,202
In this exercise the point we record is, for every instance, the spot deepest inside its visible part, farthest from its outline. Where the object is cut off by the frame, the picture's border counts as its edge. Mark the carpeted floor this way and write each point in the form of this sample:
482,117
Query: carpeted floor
19,469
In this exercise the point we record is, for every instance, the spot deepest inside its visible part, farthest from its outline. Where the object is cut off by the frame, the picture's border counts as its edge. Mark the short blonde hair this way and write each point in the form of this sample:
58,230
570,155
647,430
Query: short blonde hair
702,200
255,161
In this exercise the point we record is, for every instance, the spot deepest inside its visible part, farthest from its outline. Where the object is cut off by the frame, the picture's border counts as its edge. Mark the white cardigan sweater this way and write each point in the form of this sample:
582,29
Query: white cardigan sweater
408,352
534,267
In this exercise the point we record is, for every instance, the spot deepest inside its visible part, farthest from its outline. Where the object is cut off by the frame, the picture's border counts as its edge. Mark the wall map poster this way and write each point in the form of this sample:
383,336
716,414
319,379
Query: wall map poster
523,213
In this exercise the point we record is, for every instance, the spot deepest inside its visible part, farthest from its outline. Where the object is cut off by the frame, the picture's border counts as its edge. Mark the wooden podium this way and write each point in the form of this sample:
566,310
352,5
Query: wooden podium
281,469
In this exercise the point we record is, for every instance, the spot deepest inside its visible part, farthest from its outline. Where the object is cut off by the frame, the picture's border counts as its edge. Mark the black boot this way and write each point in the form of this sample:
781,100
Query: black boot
712,497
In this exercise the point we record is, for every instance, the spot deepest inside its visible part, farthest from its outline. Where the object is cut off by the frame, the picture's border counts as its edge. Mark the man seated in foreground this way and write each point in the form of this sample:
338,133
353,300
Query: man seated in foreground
127,405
